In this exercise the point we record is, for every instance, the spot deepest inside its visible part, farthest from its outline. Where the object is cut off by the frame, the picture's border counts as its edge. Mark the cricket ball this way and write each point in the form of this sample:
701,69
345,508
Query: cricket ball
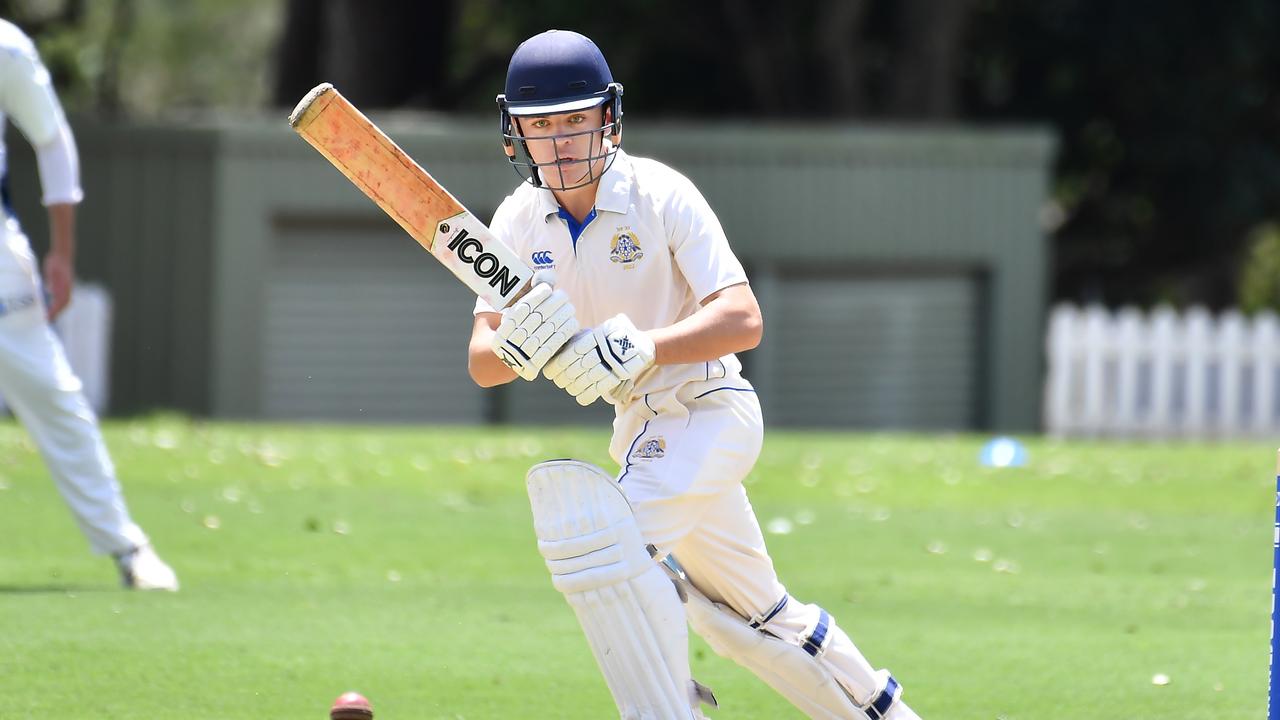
351,706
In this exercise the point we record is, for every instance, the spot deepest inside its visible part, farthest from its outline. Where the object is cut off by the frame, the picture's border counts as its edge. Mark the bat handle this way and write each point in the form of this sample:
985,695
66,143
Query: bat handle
519,294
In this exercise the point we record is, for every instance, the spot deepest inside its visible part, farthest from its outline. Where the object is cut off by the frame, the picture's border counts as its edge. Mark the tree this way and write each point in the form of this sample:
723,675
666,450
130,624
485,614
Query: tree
152,57
1166,110
382,53
1167,113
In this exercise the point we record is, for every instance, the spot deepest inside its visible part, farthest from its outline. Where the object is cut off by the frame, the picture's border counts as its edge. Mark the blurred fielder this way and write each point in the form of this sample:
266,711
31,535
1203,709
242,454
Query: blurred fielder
35,378
648,307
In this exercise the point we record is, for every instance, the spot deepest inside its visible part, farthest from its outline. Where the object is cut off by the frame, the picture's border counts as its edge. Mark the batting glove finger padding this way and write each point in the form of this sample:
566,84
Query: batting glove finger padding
573,351
592,384
556,323
628,352
513,316
580,370
571,374
533,329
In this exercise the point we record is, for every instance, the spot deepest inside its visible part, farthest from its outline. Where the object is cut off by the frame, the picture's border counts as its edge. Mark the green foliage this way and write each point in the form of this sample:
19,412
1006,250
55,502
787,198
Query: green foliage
1260,273
401,563
146,58
1166,113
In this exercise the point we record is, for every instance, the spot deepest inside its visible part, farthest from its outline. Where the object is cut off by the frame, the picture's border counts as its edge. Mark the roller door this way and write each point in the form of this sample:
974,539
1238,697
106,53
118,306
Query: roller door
891,353
361,324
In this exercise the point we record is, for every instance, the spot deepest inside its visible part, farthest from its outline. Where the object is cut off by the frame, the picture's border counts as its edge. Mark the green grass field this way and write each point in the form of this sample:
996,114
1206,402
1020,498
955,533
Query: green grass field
401,562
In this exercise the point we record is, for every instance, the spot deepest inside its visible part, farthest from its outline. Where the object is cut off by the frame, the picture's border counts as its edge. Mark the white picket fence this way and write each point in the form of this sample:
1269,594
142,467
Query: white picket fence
85,330
1162,374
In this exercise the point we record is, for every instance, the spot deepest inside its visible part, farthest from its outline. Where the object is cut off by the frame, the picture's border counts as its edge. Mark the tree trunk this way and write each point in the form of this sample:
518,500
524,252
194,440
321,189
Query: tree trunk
755,40
298,58
930,52
380,53
836,33
108,96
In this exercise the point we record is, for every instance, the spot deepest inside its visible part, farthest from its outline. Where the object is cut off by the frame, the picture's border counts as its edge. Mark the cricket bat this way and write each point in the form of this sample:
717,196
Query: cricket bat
422,206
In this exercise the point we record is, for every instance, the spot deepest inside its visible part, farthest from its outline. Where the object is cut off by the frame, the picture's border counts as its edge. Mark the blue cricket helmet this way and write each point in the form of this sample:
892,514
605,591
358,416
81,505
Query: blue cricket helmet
554,72
557,71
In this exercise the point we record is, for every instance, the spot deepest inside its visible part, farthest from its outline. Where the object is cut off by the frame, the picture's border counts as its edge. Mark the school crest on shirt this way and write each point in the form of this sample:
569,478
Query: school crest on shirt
625,248
651,449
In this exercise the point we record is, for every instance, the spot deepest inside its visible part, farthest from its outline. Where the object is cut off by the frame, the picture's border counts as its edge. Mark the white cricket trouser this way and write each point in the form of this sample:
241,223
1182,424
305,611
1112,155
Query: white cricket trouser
684,454
38,384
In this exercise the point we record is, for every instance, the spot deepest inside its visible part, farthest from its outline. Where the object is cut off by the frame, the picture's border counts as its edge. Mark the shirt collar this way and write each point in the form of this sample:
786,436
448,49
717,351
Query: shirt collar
613,195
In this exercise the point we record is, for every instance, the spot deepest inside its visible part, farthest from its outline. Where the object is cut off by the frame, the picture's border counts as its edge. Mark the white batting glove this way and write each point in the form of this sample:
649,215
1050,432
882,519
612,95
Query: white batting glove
602,362
534,328
627,351
580,370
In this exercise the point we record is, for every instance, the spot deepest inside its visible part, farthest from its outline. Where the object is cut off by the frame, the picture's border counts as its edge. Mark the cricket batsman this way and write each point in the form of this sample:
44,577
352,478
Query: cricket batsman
646,309
35,378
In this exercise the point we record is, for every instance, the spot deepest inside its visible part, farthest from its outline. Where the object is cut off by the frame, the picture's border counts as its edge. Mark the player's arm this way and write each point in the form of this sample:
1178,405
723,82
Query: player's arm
522,337
30,100
486,368
729,321
60,262
607,360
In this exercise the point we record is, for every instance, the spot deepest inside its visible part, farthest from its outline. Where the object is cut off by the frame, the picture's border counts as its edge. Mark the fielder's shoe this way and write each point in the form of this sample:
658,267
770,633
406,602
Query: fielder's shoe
142,569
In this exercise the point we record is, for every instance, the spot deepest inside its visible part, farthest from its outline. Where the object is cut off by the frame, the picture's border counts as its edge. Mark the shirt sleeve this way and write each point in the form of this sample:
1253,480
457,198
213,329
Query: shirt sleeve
698,242
501,227
27,95
60,170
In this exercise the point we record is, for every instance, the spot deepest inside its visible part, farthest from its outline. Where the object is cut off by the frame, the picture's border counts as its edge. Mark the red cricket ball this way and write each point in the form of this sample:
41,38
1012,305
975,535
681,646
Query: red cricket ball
351,706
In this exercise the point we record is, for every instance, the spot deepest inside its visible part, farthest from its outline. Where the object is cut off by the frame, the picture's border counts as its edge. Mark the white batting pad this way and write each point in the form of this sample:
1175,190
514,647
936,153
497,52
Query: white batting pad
629,610
788,669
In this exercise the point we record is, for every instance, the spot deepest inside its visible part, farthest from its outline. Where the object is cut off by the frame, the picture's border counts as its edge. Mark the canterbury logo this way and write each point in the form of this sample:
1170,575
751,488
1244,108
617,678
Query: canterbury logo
542,257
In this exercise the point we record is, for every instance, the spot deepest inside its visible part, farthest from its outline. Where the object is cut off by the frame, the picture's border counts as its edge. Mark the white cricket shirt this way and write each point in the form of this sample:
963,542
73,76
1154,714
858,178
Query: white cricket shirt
27,96
652,250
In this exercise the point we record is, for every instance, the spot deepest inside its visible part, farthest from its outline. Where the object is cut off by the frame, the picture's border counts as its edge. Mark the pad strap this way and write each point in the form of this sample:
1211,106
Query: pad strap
760,621
878,708
798,670
815,641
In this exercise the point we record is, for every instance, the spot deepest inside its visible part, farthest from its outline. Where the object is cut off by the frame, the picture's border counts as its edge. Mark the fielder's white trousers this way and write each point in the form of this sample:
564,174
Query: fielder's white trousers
684,454
38,384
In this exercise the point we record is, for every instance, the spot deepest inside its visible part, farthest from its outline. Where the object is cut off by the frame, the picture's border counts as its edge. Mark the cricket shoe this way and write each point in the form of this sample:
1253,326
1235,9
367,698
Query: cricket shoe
142,569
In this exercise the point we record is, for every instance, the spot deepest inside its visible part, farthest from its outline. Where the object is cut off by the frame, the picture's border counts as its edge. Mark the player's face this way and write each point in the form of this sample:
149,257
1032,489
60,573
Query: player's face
566,146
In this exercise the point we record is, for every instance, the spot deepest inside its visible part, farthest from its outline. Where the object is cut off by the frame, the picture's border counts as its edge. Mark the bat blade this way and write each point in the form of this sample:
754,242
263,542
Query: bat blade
406,192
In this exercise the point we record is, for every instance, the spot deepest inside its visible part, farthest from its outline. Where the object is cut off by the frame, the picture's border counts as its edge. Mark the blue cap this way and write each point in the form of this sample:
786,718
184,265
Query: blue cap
555,72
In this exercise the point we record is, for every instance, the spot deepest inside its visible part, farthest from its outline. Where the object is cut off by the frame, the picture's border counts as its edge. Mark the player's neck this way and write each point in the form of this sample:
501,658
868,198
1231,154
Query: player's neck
578,202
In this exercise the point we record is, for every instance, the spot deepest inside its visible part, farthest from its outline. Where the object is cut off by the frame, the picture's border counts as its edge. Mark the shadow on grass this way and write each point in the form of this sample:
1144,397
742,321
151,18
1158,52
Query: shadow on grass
57,589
